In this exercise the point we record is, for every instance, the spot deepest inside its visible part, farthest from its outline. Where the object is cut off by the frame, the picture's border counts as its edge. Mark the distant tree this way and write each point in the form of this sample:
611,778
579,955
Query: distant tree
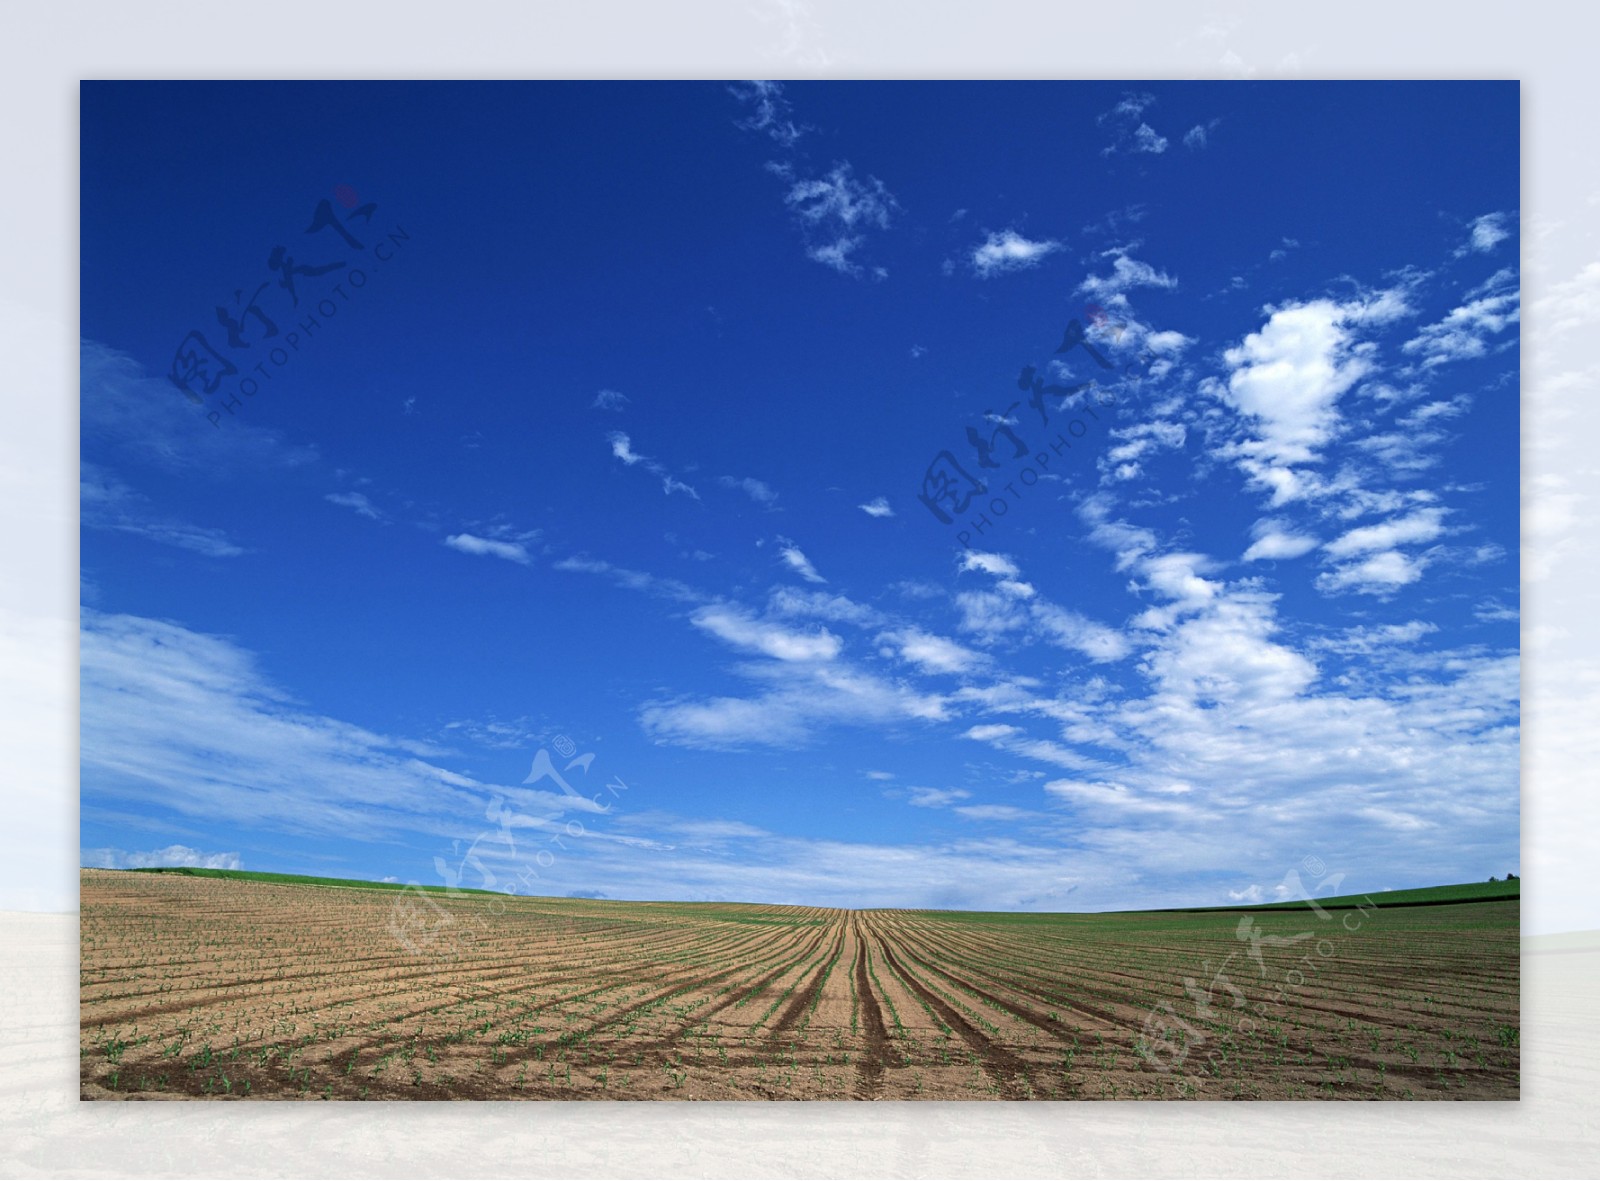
1511,877
1492,878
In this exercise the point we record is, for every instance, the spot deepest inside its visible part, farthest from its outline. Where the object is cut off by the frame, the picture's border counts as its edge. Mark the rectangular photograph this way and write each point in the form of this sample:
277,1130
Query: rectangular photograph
819,590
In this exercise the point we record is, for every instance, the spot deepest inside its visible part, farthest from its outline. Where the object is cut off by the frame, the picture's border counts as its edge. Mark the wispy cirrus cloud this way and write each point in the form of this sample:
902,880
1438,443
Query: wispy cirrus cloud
356,501
757,490
622,448
792,557
743,630
468,543
836,211
105,502
1465,331
771,113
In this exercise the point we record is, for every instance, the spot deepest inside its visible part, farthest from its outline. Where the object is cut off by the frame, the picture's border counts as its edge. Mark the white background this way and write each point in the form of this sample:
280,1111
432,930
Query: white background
45,49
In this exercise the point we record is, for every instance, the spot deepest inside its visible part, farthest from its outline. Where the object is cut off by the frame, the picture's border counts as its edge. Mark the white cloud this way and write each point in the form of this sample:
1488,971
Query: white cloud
803,697
1018,607
1277,540
468,544
798,562
174,855
1423,525
1287,379
609,400
931,653
835,210
1129,130
990,732
261,762
878,507
1145,139
993,812
1197,137
1126,274
785,600
147,420
997,564
1493,610
622,448
757,490
1382,641
356,501
1463,333
990,614
1487,232
933,797
1378,574
880,776
635,580
1133,105
1068,629
744,631
836,254
770,114
105,502
1009,251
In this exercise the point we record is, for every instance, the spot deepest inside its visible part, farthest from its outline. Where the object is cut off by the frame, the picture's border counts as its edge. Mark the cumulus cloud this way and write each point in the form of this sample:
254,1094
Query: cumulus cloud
1009,251
1285,382
877,507
609,400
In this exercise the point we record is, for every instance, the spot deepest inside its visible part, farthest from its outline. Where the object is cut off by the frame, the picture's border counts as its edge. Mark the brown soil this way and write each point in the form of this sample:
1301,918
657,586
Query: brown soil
202,988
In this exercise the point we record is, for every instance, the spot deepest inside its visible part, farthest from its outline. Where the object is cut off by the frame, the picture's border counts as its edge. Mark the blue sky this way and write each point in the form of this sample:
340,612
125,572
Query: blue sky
619,441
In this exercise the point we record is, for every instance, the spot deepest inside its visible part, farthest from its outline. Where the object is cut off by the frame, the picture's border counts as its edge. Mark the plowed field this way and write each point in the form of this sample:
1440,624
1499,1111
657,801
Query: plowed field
198,988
